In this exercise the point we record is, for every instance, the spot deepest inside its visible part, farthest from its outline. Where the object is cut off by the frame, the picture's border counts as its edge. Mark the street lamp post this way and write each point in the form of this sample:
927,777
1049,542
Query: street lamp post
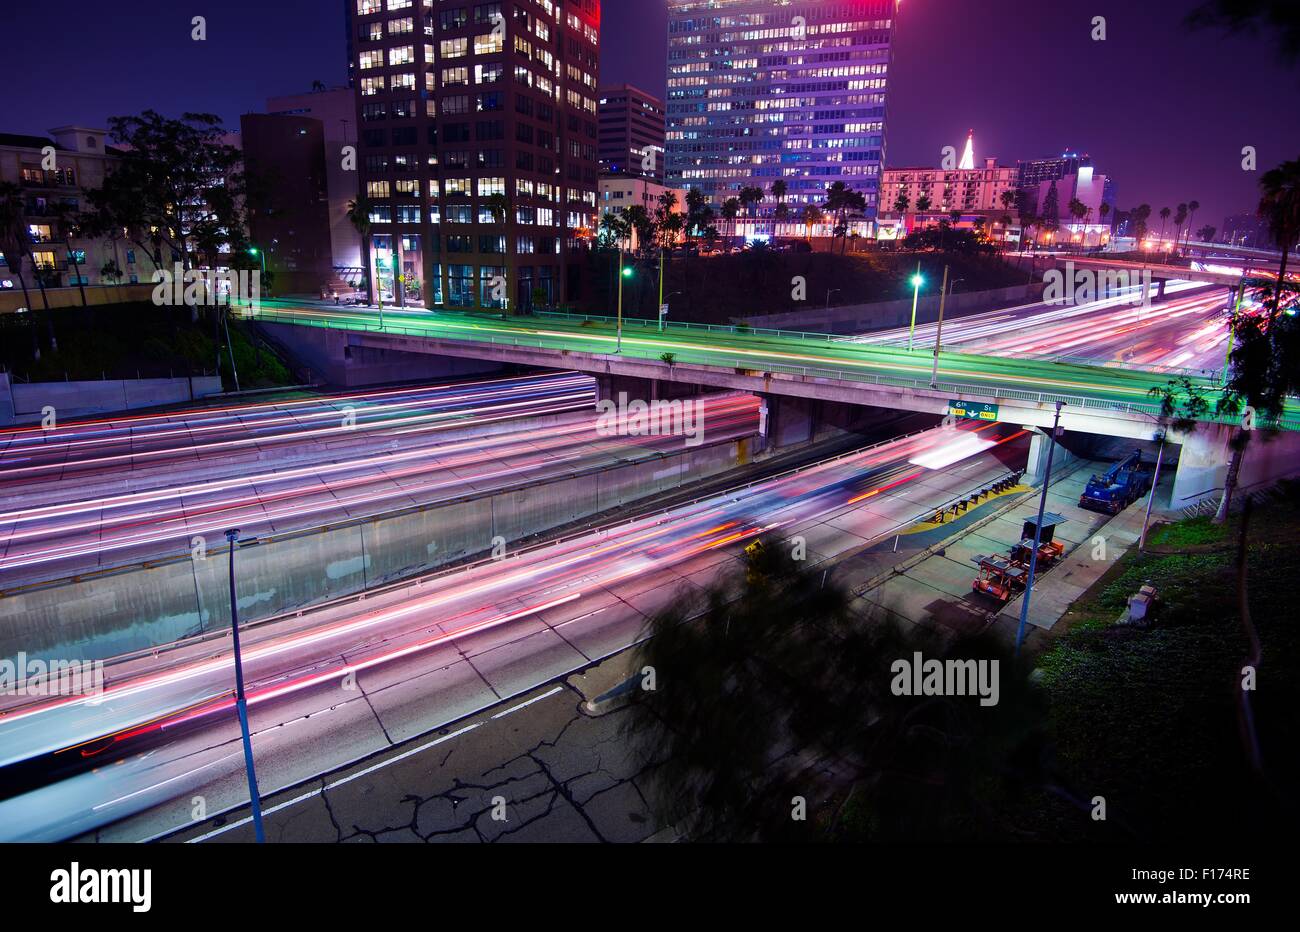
938,333
830,292
241,703
1232,325
623,272
917,282
1146,521
1038,530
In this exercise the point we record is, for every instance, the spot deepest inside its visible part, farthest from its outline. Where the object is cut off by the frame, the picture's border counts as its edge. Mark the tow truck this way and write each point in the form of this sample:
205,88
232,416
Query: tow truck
1118,487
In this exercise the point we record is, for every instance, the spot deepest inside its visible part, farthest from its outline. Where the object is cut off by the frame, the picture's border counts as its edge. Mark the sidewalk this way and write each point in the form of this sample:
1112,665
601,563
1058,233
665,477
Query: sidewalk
932,586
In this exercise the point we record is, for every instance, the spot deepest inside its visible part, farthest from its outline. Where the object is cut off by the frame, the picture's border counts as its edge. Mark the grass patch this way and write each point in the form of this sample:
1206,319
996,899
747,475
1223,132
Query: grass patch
1194,532
128,341
1150,719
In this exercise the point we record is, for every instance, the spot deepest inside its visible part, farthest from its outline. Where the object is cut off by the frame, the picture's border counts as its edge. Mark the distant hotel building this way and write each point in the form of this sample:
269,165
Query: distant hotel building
760,90
975,196
968,191
464,109
631,133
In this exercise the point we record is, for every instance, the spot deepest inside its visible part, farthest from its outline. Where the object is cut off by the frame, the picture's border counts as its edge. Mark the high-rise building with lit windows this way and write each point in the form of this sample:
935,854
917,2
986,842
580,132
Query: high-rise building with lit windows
766,89
631,133
476,146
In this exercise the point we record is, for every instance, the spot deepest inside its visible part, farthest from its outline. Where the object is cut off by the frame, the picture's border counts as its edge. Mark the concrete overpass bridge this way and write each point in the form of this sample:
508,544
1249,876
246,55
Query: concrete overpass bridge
1225,271
798,374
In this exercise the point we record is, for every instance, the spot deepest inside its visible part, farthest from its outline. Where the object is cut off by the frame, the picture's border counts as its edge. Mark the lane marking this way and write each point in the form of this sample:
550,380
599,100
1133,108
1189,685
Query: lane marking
524,705
337,783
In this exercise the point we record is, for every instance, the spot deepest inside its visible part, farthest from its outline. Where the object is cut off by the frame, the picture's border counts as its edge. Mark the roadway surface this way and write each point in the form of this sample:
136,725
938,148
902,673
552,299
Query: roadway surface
350,678
91,496
1186,332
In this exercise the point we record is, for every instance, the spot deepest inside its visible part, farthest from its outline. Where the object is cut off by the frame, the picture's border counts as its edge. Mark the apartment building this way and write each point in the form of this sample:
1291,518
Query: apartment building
632,129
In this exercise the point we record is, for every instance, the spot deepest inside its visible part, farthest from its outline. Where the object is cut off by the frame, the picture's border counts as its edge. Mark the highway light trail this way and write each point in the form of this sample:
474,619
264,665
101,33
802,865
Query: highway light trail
1189,331
59,526
162,520
95,447
308,658
816,356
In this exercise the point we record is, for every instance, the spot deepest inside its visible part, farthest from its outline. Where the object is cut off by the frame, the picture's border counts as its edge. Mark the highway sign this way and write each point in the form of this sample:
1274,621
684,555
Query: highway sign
975,410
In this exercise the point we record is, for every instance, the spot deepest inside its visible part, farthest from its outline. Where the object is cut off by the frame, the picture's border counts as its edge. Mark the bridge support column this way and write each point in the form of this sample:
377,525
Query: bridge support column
1205,454
790,420
609,387
1038,449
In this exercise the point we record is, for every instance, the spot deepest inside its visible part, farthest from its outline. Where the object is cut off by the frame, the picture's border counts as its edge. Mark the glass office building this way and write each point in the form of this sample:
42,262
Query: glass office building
766,89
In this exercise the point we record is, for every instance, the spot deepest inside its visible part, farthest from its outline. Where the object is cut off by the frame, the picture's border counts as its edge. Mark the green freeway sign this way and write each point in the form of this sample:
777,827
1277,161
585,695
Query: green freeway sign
976,410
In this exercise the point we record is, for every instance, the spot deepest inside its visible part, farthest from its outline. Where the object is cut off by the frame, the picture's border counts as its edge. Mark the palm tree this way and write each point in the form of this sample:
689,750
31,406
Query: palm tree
1279,207
1141,214
18,242
779,191
68,227
1164,218
902,202
730,208
840,200
1179,219
13,234
359,216
1078,210
1192,208
1103,211
923,203
750,198
812,215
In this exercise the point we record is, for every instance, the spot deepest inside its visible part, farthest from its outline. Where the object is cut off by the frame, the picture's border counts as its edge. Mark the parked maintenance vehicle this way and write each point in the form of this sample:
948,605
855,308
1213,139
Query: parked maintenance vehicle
1118,487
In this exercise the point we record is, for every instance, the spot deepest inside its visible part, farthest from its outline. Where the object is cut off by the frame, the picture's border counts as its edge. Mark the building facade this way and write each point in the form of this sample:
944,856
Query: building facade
968,190
336,110
760,90
288,210
477,146
632,129
620,191
54,174
1036,171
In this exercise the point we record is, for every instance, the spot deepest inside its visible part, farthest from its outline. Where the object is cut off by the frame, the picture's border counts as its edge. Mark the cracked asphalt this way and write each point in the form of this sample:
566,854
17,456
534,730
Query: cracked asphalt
538,768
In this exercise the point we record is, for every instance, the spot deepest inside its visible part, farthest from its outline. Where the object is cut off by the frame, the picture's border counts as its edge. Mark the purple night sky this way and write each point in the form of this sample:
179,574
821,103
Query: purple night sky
1164,111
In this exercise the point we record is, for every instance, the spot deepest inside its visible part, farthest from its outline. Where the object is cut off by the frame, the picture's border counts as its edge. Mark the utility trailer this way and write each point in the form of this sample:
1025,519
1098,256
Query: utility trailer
1118,487
1049,548
999,577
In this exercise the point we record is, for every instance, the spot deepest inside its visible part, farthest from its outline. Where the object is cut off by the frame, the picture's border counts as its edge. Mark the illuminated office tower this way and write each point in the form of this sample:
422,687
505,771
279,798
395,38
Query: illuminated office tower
477,135
766,89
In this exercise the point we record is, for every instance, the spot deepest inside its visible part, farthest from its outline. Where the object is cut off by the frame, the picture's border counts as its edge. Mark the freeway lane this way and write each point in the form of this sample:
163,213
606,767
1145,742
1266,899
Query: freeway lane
79,532
1185,331
1119,386
252,433
352,677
